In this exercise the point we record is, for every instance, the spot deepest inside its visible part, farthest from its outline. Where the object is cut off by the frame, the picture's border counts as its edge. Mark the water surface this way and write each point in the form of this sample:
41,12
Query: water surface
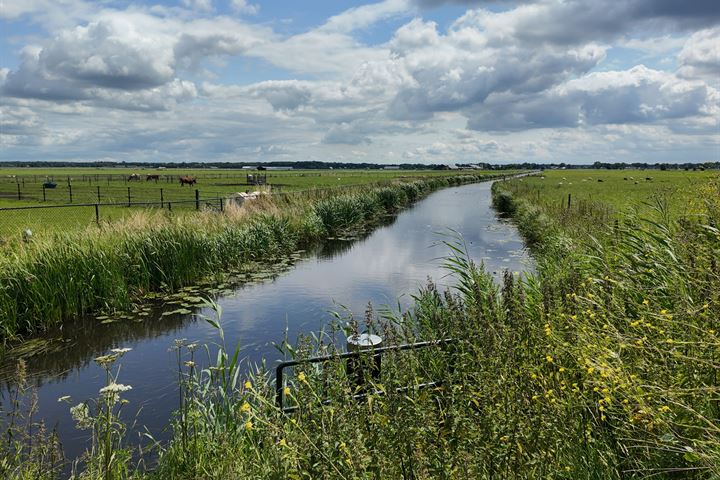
385,267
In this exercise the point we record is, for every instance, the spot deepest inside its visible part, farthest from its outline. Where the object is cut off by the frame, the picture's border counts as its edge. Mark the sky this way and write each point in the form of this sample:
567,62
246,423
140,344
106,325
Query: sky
397,81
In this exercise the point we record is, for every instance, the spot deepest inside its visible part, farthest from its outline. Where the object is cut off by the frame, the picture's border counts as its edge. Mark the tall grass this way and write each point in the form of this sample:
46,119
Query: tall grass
56,278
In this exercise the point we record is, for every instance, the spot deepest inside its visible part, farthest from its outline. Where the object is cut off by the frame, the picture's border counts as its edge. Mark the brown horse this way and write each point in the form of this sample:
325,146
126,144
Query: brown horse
153,177
186,180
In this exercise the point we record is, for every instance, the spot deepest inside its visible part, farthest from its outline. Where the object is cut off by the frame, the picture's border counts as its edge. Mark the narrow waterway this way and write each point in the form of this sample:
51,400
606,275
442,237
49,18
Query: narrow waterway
384,268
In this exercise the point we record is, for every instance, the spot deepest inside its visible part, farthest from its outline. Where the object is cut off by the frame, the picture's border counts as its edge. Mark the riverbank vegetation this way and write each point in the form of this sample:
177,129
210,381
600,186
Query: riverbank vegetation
48,280
603,364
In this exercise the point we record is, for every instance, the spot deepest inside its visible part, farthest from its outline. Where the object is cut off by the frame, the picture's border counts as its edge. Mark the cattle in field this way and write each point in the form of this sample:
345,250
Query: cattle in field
152,177
186,180
133,177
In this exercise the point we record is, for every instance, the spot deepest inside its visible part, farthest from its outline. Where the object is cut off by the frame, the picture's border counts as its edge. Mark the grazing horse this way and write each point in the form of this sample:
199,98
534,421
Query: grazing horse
187,180
132,177
153,177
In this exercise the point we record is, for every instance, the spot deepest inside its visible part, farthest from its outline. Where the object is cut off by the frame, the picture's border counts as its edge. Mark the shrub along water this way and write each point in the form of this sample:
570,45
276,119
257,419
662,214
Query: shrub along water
50,280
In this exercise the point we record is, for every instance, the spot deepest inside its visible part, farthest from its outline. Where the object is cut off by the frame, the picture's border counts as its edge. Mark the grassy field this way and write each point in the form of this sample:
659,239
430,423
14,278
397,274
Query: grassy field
108,186
601,365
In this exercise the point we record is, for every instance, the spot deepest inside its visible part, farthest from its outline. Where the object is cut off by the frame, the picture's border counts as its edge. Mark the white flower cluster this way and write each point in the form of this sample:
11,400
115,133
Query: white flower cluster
115,388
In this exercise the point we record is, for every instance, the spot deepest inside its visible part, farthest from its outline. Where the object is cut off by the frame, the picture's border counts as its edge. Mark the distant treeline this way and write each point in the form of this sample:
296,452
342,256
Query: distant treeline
311,165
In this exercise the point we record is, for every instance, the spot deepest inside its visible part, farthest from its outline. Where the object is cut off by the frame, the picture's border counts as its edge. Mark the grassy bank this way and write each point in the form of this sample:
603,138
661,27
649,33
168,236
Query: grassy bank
603,365
55,278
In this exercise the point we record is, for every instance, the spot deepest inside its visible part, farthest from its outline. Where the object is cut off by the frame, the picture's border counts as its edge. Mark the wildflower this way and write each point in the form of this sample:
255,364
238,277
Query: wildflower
81,414
568,468
248,425
533,376
248,385
663,312
504,438
283,443
105,360
562,369
669,340
664,409
574,317
245,407
590,370
286,390
645,302
705,306
114,388
301,377
549,358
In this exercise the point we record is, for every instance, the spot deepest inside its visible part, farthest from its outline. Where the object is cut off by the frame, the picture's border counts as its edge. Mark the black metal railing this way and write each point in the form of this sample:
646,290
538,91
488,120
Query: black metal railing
280,369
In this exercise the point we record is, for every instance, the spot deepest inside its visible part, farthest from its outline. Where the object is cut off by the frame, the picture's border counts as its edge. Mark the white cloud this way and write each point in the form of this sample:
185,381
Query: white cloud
700,56
242,6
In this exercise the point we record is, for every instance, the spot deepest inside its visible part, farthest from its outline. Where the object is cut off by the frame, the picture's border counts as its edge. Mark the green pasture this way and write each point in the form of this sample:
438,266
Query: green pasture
78,186
597,196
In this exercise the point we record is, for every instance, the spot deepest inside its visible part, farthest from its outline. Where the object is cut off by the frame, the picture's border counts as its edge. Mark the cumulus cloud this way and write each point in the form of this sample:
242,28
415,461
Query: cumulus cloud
700,56
636,96
461,69
570,21
243,6
283,95
121,54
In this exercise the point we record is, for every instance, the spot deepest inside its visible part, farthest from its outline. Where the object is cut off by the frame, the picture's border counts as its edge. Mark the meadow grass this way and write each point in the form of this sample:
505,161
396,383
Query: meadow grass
601,365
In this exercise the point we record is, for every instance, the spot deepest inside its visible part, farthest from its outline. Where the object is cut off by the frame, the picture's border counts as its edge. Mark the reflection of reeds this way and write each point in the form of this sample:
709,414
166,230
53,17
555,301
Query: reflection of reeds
67,274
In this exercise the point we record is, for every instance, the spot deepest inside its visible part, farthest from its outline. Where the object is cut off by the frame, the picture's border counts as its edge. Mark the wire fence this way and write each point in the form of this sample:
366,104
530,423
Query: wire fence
17,220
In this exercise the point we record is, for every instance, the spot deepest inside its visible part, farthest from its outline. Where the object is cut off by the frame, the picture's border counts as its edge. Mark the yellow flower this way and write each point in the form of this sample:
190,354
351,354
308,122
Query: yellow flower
664,408
562,369
282,442
301,377
245,407
645,302
574,317
286,391
248,425
549,358
248,385
663,312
